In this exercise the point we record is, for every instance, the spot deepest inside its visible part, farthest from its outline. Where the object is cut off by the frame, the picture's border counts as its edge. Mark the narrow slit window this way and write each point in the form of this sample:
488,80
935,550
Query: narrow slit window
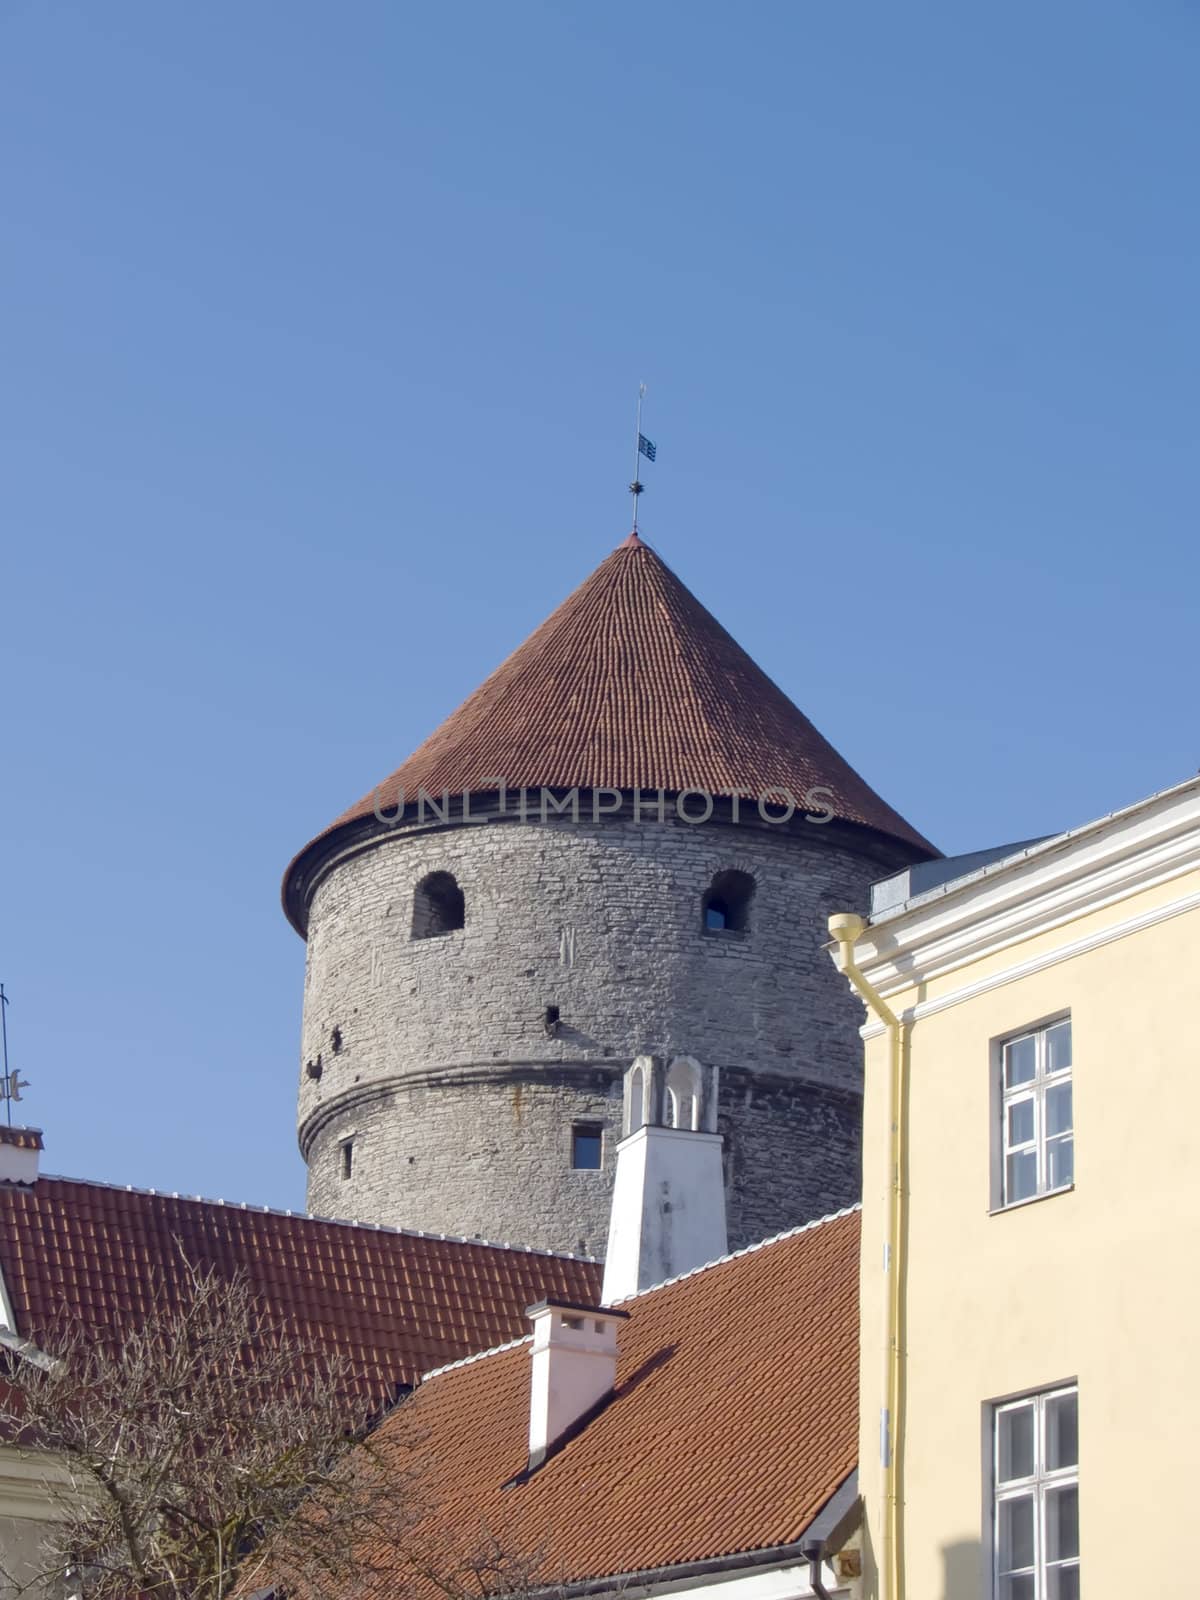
347,1158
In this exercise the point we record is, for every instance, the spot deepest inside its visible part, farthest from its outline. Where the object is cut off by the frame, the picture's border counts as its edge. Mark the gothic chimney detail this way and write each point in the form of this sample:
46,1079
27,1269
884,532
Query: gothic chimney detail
668,1211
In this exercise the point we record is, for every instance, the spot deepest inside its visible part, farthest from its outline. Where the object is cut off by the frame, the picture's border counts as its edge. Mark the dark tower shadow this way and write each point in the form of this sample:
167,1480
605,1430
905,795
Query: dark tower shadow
964,1575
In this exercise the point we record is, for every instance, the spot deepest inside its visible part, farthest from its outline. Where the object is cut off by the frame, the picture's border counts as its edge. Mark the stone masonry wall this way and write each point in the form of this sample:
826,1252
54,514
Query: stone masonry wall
434,1054
489,1155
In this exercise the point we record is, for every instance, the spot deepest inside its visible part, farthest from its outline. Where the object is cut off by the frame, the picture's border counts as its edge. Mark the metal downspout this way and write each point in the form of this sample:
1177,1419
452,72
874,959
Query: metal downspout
814,1554
845,929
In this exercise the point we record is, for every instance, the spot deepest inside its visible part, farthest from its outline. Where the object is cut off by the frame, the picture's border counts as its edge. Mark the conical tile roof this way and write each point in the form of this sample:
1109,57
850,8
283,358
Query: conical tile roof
633,684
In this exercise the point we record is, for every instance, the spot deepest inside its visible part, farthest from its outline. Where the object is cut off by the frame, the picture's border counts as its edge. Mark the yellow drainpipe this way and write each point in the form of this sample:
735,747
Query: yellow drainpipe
845,929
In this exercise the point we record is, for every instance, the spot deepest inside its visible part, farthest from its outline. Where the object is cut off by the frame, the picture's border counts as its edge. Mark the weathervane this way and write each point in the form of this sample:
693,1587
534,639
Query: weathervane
645,447
12,1083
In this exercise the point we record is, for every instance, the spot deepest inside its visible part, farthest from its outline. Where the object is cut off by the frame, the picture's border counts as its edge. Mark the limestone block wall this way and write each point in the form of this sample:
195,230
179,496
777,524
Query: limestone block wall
484,1152
489,1154
434,1055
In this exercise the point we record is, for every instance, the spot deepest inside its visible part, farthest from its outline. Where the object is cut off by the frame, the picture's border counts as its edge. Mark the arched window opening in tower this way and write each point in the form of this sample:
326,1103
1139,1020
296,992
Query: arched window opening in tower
727,901
438,906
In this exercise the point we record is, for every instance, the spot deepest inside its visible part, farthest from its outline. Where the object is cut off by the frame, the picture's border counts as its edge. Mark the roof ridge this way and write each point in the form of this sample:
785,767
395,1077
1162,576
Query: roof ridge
308,1216
746,1250
479,1355
693,1272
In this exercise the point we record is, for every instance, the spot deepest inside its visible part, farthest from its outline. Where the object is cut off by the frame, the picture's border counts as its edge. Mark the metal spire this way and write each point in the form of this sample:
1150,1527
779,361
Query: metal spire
10,1086
4,1036
635,488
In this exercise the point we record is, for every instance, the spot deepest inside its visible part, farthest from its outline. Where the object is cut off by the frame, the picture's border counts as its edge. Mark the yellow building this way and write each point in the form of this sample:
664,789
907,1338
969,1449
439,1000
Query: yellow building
1029,1285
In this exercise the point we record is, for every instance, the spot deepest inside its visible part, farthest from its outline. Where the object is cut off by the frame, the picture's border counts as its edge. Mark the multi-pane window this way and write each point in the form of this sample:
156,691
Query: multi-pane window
1035,1472
1037,1119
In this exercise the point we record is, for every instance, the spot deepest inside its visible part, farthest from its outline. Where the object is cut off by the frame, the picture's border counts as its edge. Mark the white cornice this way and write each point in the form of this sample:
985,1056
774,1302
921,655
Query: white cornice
31,1484
1035,892
1039,963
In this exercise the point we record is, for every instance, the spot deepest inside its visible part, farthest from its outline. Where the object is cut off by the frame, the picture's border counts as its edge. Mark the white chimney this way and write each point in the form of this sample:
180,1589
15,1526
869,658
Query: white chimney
574,1368
668,1208
19,1152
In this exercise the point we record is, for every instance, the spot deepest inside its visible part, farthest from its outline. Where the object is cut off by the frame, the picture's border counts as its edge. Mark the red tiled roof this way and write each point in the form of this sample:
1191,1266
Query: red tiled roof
391,1303
733,1421
632,684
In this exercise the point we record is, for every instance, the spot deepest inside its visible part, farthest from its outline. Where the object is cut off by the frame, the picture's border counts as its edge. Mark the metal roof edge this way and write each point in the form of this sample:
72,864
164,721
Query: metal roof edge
1052,842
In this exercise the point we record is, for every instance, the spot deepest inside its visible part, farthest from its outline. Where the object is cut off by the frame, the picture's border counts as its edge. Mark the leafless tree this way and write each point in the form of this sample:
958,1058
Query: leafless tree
200,1446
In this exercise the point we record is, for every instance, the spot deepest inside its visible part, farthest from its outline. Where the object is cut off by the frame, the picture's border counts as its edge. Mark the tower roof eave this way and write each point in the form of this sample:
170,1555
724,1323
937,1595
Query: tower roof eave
630,684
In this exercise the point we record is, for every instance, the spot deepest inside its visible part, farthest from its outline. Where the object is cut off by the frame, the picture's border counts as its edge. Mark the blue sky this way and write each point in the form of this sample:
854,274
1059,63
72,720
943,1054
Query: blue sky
322,328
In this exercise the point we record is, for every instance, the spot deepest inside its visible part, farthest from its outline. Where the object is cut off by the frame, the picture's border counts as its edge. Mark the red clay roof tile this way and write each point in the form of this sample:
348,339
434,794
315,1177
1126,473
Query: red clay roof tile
632,684
103,1254
733,1421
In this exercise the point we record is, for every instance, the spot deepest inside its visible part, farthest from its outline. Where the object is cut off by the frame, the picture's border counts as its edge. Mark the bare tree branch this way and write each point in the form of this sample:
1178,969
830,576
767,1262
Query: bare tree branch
174,1452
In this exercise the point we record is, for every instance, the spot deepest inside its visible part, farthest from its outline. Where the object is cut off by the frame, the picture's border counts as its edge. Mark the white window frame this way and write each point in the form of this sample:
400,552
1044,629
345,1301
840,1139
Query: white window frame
1033,1092
1036,1486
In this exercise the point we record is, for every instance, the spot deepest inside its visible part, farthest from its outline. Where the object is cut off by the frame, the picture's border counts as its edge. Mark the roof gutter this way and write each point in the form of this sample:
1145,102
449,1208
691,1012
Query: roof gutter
831,1526
829,1530
845,929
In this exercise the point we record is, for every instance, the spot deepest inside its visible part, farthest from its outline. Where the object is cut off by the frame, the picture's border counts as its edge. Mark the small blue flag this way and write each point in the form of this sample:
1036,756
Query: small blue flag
647,447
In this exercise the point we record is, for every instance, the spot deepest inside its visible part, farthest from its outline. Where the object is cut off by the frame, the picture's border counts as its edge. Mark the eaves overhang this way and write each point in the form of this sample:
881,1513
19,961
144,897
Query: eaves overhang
1033,891
830,1528
311,866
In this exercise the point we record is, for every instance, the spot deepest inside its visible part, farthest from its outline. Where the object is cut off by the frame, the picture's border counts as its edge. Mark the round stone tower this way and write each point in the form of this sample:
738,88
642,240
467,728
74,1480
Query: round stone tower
625,843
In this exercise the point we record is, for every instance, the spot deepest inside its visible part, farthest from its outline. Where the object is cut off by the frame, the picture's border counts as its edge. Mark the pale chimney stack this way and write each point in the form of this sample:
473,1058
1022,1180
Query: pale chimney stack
668,1210
20,1149
574,1368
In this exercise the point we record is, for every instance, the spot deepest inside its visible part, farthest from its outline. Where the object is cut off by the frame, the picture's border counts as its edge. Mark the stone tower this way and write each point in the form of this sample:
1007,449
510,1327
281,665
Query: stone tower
625,843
